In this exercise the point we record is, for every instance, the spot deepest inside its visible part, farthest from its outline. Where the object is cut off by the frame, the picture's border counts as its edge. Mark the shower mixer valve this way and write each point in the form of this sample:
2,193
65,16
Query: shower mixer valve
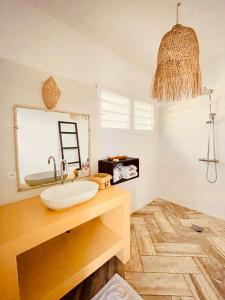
209,160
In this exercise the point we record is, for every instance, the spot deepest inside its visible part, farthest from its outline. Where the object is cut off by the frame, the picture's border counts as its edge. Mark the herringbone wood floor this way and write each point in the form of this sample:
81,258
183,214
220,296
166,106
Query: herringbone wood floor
170,261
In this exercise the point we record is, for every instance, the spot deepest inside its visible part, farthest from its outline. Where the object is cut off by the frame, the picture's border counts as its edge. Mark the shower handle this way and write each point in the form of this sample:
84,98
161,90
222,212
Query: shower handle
209,160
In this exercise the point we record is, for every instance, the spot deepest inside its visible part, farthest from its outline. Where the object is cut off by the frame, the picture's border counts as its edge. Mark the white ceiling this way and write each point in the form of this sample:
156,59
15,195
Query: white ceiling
133,28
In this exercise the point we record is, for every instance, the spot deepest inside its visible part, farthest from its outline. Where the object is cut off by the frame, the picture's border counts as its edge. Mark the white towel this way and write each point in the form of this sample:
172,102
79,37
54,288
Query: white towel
130,174
133,167
125,172
117,289
116,174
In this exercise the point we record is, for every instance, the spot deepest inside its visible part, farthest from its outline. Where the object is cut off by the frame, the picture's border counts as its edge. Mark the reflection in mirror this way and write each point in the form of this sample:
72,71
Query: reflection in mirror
51,146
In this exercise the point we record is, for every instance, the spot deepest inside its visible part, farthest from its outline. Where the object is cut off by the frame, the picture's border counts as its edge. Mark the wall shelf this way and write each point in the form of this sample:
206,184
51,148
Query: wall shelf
64,261
106,166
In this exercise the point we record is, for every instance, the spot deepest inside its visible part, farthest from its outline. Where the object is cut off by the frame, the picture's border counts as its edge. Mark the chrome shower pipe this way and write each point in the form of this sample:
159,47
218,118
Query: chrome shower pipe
211,139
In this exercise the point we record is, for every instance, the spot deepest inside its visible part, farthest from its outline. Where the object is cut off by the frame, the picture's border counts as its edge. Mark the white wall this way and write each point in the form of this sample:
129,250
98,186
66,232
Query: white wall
183,140
33,38
34,45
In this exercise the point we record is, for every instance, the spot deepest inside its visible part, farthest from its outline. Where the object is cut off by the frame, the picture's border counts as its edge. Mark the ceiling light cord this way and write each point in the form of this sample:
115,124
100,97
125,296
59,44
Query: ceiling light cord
178,4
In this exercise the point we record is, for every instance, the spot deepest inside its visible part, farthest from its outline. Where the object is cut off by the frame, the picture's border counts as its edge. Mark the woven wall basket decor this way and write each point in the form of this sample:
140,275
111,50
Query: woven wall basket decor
50,93
178,72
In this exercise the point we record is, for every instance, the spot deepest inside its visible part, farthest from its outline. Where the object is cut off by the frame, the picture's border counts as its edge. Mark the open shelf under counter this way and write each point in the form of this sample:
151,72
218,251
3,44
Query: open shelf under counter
64,261
44,253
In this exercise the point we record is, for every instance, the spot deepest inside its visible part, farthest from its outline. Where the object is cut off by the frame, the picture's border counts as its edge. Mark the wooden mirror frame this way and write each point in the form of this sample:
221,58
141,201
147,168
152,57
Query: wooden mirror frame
15,107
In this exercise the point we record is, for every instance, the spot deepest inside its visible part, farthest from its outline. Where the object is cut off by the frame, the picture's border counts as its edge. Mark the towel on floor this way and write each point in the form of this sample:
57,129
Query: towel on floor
117,289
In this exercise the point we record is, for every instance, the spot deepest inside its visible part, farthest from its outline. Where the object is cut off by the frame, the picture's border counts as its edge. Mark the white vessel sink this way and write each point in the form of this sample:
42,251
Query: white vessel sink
67,195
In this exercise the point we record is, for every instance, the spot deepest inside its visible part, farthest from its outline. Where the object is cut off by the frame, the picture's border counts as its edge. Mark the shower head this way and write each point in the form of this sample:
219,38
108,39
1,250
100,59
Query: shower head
206,91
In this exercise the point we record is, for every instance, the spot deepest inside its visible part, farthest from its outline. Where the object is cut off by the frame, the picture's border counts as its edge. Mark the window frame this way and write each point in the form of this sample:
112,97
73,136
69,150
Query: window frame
131,121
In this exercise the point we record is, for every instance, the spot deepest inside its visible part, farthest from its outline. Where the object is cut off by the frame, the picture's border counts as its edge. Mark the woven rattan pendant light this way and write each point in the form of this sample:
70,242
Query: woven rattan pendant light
178,72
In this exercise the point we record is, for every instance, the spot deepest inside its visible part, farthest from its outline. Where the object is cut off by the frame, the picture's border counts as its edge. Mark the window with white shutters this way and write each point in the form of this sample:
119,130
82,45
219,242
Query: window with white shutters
115,110
143,115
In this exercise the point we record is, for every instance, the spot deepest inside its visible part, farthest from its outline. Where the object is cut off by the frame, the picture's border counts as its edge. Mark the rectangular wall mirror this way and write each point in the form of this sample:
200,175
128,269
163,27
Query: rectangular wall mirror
51,146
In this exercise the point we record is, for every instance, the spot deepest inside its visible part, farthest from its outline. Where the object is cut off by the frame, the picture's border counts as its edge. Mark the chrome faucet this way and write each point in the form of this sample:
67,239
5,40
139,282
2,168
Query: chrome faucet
49,160
63,165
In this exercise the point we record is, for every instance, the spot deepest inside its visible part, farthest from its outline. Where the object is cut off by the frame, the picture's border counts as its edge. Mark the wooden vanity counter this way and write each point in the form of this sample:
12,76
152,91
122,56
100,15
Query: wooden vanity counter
45,253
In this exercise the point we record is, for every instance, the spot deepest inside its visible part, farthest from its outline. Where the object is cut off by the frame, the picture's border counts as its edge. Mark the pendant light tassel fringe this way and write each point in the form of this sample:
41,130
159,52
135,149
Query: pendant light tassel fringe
173,88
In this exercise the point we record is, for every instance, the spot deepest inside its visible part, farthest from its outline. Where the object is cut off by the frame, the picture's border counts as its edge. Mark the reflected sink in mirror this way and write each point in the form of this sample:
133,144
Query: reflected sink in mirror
43,178
69,194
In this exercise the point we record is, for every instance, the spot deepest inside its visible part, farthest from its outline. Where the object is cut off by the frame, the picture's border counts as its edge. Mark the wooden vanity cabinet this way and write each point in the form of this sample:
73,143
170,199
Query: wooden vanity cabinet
44,253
